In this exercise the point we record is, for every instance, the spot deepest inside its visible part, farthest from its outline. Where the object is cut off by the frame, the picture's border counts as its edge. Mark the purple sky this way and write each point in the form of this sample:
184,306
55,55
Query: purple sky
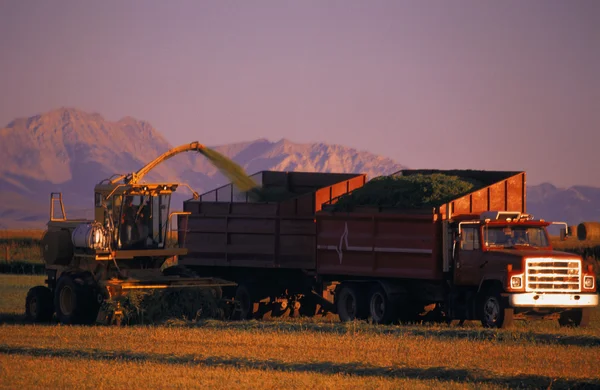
509,85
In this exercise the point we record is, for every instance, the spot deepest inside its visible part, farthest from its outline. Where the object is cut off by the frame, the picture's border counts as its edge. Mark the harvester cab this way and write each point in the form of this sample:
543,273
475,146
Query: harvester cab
134,216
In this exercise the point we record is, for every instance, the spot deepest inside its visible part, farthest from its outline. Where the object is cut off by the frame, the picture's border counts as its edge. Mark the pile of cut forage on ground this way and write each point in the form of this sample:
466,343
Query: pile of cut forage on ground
407,192
157,306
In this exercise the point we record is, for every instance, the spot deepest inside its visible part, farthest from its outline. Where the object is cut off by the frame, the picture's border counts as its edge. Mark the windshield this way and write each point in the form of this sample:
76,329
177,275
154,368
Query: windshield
509,236
143,221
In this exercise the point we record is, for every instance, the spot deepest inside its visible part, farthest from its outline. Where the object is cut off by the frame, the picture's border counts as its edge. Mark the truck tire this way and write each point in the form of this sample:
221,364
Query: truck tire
38,304
350,304
381,308
75,302
246,305
575,318
493,312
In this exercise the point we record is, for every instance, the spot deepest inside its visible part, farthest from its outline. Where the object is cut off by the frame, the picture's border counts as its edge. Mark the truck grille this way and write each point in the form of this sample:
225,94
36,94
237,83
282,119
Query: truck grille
552,275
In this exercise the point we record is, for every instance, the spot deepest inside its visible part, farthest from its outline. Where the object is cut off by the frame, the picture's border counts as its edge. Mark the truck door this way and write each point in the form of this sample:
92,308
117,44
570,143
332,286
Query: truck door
468,257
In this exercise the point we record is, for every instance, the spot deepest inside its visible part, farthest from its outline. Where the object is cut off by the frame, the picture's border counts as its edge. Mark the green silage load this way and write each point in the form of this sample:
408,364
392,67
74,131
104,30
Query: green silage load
407,192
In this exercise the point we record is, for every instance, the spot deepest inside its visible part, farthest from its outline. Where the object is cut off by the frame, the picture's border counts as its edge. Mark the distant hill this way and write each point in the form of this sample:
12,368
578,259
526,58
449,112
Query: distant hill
572,205
69,150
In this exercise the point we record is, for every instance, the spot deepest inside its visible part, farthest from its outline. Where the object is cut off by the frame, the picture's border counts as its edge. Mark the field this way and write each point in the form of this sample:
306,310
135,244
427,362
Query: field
304,353
289,354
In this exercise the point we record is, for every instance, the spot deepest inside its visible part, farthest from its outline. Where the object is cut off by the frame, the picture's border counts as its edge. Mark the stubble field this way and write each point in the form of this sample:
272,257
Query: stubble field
289,354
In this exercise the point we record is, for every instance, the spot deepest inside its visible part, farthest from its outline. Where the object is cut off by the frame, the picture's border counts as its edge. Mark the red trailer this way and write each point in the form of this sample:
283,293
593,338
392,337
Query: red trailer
447,262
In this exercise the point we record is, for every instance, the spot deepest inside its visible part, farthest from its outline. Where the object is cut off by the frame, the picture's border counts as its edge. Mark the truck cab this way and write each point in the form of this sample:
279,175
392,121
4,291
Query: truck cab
506,260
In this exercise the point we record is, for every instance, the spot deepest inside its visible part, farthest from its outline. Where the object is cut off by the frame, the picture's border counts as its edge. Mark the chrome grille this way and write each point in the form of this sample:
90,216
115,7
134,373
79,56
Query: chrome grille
553,275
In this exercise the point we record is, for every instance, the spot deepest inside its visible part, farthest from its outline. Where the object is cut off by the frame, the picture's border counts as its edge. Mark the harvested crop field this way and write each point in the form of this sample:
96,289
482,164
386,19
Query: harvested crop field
290,354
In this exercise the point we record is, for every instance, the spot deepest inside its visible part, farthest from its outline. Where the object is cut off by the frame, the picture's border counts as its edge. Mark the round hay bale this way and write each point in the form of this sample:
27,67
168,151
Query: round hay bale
588,231
573,230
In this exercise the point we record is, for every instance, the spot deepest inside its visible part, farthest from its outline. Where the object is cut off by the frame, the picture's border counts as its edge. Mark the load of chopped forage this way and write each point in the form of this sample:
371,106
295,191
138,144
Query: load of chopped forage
406,192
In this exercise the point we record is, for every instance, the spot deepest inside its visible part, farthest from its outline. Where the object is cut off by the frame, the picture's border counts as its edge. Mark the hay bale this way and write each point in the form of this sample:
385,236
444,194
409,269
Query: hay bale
406,192
573,230
588,231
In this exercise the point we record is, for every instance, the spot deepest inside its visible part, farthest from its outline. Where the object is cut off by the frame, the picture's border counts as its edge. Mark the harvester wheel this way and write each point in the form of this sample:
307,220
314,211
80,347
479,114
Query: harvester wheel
75,302
350,304
575,318
38,304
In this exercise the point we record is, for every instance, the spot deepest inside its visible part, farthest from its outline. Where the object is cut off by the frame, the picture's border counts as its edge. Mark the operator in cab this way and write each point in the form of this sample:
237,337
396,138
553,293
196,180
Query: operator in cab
128,221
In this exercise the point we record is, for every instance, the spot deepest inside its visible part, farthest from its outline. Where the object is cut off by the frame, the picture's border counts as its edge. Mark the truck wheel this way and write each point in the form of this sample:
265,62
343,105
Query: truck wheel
350,304
575,318
381,308
493,313
74,301
38,304
244,298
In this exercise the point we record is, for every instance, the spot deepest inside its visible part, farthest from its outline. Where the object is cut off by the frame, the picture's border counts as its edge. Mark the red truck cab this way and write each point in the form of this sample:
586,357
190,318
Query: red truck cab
509,256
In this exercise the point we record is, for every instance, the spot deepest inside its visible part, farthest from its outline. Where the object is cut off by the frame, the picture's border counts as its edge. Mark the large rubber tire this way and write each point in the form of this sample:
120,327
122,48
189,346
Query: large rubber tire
244,297
575,318
75,301
493,312
38,304
350,303
381,309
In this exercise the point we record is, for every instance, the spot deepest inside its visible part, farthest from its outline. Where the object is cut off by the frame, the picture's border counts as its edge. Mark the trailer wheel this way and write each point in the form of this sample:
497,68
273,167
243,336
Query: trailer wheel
575,318
75,302
350,304
246,306
493,313
381,308
38,304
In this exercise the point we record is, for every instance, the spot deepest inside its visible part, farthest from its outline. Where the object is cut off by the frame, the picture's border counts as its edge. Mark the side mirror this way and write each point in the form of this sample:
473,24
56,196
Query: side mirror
563,234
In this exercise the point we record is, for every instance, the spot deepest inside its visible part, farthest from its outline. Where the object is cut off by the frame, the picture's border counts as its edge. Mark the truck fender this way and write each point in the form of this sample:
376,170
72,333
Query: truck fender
490,281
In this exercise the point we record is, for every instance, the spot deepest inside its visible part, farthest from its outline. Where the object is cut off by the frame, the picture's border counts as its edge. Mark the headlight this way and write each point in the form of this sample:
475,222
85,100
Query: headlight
588,282
516,281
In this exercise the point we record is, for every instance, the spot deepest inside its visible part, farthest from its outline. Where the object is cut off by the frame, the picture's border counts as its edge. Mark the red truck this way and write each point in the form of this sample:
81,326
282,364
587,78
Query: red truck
477,257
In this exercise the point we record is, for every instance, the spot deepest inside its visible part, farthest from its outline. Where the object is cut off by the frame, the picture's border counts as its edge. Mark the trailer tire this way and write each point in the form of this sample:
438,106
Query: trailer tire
76,303
248,308
575,318
350,304
381,308
493,311
38,304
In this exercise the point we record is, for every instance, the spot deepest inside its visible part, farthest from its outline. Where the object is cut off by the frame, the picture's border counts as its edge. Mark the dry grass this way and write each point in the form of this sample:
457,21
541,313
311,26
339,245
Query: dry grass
322,358
292,354
13,290
78,373
573,243
35,234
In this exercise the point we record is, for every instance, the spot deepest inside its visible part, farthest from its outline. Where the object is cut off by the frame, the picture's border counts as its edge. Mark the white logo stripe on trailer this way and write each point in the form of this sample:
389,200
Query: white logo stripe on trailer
376,249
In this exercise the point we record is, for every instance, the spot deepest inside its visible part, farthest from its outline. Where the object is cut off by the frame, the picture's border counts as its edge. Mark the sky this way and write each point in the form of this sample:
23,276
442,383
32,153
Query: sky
500,85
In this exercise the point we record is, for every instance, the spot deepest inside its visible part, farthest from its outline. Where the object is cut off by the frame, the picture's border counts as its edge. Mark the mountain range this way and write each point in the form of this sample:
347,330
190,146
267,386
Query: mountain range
69,151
